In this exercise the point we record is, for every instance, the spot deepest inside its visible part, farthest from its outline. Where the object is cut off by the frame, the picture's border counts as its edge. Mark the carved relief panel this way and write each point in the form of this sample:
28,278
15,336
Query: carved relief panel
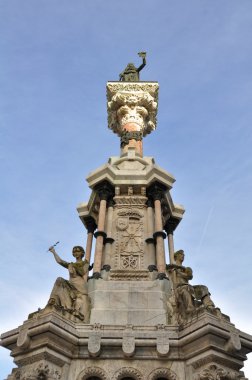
129,233
129,247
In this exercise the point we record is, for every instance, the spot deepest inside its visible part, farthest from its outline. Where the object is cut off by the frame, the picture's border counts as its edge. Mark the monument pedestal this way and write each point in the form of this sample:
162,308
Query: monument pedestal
142,303
136,318
52,346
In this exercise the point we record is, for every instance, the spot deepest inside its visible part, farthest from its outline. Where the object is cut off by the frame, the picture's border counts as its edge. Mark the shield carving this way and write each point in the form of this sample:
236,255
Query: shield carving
122,223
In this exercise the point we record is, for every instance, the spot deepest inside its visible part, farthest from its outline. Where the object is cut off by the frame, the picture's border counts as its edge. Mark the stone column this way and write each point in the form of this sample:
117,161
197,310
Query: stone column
170,226
104,192
150,231
91,227
156,192
159,236
109,240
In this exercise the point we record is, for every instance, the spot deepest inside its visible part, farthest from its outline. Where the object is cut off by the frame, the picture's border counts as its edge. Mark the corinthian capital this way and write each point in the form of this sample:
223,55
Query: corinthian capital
132,106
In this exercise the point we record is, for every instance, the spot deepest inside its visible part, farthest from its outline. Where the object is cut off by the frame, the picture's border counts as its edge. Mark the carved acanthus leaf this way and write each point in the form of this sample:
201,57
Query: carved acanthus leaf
217,373
132,103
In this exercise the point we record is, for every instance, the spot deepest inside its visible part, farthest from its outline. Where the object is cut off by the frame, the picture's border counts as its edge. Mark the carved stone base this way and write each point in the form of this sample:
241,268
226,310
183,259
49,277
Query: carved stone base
54,348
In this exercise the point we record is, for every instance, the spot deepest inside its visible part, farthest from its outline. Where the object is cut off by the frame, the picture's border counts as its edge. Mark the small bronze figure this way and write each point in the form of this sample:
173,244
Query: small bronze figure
131,73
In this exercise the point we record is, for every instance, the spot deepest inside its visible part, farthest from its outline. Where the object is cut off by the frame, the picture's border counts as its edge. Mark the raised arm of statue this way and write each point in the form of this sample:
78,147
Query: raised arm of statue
142,54
58,259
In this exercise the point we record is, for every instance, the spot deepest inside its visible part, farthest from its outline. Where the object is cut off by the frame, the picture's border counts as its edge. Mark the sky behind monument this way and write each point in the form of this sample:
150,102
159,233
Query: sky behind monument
56,57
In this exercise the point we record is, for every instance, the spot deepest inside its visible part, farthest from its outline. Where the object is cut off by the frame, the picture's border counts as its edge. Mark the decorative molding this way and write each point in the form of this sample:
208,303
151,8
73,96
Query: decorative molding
39,357
124,275
129,200
93,371
38,371
150,87
217,373
128,372
162,373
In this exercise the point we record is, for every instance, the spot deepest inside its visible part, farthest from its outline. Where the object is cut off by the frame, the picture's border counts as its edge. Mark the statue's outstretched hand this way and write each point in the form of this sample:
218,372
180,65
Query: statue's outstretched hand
51,249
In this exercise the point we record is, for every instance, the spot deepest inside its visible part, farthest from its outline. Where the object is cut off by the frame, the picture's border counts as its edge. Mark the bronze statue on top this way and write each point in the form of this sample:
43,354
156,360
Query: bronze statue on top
131,73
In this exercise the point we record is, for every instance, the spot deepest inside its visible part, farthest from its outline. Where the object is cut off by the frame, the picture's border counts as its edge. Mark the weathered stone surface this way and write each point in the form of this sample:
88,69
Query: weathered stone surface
129,302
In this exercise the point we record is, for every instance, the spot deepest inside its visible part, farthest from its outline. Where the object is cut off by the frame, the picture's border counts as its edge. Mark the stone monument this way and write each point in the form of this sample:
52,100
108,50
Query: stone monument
136,317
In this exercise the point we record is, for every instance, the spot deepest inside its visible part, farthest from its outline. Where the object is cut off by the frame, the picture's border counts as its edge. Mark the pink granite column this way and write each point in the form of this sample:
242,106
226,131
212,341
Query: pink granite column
159,236
150,240
91,227
169,228
106,260
132,137
104,193
156,192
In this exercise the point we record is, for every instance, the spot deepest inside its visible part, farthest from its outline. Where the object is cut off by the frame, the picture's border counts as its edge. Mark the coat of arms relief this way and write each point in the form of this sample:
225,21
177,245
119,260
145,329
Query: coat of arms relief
129,248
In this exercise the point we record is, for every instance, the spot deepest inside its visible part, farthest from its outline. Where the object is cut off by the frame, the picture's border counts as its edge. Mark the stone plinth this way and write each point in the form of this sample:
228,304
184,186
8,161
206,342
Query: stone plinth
140,303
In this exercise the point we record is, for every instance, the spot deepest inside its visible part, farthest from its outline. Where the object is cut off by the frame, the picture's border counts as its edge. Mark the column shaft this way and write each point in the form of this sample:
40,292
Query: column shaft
89,245
171,247
100,237
106,258
160,248
150,231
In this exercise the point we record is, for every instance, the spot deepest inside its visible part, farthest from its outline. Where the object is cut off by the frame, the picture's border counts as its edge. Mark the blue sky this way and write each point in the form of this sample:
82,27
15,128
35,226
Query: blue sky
56,57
